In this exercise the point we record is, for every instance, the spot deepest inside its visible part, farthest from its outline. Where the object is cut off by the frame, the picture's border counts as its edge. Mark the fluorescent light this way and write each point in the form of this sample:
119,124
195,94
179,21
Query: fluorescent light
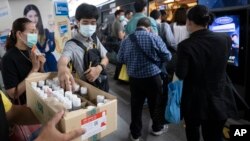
168,1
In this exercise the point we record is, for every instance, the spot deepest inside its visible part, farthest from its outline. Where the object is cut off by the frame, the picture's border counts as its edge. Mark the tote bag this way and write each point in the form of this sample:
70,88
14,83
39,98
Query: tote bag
172,111
123,74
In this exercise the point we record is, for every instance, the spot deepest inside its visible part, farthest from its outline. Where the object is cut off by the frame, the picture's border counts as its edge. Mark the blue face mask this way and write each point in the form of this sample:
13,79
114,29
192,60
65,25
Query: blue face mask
31,39
87,30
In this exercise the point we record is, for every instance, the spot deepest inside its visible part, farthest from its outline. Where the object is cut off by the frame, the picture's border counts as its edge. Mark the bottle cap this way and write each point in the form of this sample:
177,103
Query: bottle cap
100,104
84,90
76,88
41,83
100,99
76,102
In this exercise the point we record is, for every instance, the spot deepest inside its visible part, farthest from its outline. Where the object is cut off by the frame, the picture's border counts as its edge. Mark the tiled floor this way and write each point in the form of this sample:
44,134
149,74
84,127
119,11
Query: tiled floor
121,90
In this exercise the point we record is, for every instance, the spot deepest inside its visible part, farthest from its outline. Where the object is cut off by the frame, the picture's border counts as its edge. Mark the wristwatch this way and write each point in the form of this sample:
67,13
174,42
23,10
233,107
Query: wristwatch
103,67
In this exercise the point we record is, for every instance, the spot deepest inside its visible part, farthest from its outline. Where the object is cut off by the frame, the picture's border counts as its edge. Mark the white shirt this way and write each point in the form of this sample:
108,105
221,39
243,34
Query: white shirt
180,33
125,22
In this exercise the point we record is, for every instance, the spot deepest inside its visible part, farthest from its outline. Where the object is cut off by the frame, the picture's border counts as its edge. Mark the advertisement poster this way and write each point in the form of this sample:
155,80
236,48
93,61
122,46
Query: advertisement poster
48,16
61,8
229,24
5,18
4,10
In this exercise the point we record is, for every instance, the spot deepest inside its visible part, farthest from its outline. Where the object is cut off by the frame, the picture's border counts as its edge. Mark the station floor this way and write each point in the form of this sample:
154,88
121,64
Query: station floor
176,132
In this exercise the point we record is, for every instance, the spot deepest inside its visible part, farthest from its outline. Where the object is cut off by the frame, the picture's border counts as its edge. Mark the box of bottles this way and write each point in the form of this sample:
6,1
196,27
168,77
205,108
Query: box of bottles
85,106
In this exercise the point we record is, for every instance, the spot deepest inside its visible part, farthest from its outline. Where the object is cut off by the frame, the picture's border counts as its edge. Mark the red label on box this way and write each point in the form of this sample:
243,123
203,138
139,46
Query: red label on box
94,124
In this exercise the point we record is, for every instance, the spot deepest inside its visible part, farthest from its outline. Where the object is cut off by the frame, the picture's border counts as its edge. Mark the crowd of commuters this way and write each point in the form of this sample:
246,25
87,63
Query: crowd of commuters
147,45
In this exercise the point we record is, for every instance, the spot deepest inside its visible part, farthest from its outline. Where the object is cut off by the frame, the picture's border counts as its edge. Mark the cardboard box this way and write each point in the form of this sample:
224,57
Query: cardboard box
98,122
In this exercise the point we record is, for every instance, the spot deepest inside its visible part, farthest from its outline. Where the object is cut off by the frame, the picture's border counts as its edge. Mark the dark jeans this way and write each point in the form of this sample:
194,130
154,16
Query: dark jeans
211,129
117,71
150,88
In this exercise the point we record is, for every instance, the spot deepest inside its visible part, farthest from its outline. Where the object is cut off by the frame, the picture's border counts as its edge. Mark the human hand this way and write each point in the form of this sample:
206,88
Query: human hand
50,133
42,60
93,73
66,78
35,61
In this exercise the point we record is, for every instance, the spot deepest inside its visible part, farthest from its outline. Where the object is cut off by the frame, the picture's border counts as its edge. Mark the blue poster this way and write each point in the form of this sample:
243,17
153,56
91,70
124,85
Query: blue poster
229,24
61,9
63,29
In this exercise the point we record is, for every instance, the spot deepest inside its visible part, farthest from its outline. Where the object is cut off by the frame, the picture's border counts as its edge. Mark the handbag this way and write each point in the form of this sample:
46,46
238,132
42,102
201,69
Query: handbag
123,73
172,111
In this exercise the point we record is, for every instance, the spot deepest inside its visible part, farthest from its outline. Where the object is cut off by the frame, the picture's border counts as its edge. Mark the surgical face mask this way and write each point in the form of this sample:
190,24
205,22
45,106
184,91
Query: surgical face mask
122,18
31,39
87,30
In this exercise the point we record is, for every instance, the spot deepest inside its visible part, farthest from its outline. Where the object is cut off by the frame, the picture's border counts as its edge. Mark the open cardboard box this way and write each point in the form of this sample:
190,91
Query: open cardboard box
98,122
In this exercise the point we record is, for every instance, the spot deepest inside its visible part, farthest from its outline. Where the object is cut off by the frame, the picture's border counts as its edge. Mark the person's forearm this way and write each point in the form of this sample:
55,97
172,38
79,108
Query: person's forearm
27,117
62,63
121,35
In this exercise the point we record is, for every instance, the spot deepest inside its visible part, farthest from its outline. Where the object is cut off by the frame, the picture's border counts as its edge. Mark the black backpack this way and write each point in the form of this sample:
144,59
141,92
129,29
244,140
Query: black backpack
93,55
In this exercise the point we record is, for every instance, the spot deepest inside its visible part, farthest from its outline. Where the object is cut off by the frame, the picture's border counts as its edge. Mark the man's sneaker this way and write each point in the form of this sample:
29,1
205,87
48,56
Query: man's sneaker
163,130
133,139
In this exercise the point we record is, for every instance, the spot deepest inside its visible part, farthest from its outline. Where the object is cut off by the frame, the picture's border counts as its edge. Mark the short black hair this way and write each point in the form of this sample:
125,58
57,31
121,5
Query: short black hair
86,11
128,12
163,12
155,14
118,12
139,5
200,15
144,22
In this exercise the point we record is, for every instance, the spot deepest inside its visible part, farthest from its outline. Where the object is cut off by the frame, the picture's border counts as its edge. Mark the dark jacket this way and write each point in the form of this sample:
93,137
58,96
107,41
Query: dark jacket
201,63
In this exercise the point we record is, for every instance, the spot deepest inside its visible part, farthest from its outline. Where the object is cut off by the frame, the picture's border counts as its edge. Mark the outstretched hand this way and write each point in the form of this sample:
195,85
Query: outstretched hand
50,133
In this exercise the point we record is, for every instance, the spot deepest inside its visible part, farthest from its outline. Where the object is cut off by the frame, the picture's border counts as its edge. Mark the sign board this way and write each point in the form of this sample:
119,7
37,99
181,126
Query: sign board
61,9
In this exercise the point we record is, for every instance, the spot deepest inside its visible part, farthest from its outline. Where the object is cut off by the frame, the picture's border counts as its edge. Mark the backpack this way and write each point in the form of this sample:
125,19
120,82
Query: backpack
93,55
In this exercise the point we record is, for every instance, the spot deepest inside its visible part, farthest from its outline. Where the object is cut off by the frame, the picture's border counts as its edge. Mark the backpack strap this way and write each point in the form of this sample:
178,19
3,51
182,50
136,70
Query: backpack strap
94,38
172,27
78,43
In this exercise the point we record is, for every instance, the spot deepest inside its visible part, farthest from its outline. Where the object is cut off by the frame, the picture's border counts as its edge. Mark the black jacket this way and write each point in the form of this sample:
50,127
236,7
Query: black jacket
201,63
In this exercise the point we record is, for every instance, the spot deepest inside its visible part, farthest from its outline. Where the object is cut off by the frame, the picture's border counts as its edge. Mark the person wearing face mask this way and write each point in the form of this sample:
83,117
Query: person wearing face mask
206,102
118,34
20,61
128,16
75,51
117,27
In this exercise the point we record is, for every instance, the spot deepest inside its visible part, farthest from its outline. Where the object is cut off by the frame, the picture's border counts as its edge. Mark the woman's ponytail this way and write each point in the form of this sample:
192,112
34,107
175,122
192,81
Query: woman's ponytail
11,41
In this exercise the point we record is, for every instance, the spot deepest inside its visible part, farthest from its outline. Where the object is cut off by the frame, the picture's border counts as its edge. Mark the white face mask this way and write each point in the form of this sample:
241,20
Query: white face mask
87,30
